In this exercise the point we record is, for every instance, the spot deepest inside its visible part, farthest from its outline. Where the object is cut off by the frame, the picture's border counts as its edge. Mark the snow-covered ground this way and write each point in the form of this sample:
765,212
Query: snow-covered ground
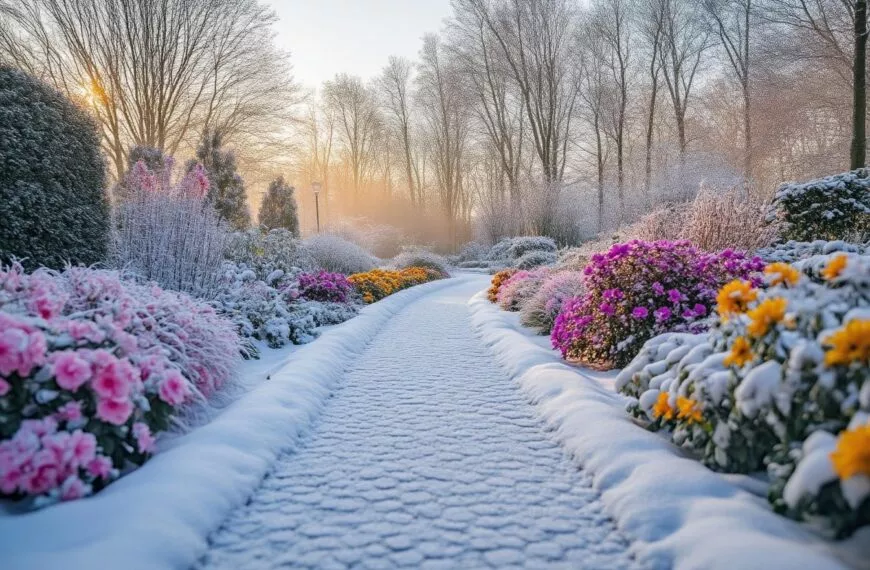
681,514
426,457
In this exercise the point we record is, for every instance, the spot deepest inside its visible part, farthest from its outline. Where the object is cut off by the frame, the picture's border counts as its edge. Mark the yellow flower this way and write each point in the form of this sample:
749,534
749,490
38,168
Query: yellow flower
734,298
766,314
782,273
849,344
689,410
662,409
852,456
835,267
741,353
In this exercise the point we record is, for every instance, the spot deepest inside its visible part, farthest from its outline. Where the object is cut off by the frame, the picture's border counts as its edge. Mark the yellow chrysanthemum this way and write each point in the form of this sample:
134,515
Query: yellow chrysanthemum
662,409
835,267
852,455
849,344
689,410
734,298
766,314
741,353
782,273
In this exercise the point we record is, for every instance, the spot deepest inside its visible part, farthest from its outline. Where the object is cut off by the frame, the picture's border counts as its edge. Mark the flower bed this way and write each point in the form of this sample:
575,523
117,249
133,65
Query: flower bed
378,284
92,368
638,290
782,382
520,287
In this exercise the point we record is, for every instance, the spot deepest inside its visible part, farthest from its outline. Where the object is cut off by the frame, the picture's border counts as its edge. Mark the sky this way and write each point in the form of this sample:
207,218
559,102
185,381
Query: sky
326,37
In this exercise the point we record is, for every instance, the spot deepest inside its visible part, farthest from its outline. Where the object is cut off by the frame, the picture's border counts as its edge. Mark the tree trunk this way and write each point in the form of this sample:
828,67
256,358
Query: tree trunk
859,92
747,137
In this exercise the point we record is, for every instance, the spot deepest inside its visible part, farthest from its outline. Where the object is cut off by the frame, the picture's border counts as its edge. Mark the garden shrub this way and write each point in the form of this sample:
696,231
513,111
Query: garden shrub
572,259
831,208
333,253
377,284
275,253
166,232
53,203
325,287
793,251
540,311
781,381
497,281
520,287
534,259
278,209
638,290
520,246
421,258
92,368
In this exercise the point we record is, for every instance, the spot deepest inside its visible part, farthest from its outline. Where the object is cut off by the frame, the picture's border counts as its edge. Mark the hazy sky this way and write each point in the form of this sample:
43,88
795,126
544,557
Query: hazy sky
326,37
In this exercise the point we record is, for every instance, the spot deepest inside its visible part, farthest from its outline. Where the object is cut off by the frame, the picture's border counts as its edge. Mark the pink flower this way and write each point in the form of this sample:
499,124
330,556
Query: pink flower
70,371
34,354
83,446
70,412
114,411
144,439
113,381
12,343
85,330
4,387
173,389
100,466
73,488
42,475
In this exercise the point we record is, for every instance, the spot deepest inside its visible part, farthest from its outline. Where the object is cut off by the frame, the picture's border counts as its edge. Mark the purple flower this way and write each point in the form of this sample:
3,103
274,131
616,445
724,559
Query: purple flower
674,296
662,314
613,294
640,312
607,309
658,289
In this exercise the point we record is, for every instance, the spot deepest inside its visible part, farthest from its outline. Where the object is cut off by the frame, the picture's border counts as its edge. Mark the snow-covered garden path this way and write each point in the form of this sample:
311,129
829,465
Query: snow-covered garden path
426,457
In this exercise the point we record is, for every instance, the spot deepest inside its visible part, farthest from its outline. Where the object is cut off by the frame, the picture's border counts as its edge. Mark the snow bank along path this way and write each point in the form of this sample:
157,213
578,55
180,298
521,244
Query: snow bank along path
161,515
426,457
682,515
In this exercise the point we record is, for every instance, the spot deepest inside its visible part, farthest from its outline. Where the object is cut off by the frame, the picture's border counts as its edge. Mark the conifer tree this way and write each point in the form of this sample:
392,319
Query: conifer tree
278,209
227,189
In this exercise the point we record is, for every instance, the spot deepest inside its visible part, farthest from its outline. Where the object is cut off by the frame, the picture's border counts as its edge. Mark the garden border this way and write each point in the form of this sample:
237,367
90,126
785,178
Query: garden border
161,515
679,514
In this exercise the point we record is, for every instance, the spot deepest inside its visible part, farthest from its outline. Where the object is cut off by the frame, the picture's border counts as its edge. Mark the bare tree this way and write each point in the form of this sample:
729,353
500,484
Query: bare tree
395,82
651,30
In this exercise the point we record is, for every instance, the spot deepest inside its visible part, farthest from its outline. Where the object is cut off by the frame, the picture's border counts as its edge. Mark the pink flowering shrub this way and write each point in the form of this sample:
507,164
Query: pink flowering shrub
641,289
92,368
520,287
541,310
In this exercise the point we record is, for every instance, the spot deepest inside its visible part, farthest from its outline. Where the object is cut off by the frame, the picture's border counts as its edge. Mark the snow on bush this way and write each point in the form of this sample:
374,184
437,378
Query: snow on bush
333,253
498,280
534,259
377,284
520,287
53,204
792,251
519,246
782,381
831,208
268,253
421,258
638,290
166,232
92,368
572,259
540,311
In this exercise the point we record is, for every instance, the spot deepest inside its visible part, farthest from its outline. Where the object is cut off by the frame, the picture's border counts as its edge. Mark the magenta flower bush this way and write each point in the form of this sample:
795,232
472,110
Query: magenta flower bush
641,289
520,287
325,287
92,368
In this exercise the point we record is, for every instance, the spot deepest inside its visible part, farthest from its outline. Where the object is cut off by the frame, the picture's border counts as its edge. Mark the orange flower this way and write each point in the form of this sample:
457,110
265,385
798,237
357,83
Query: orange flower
741,353
852,455
835,267
782,273
849,344
689,410
734,298
766,314
663,409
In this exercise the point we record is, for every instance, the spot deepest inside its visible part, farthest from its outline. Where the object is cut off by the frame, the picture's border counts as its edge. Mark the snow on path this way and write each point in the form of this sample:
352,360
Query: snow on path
426,457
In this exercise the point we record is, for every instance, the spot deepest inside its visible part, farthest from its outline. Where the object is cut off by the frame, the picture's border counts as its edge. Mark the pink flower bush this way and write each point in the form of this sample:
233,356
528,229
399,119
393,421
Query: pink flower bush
92,368
541,310
520,287
641,289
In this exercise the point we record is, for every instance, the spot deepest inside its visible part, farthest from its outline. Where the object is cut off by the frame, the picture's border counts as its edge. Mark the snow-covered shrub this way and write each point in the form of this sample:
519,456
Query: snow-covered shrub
377,284
53,205
325,287
92,368
783,372
540,311
830,208
520,287
498,280
508,251
638,290
519,246
473,252
333,253
275,253
278,209
534,259
572,259
421,258
793,251
166,232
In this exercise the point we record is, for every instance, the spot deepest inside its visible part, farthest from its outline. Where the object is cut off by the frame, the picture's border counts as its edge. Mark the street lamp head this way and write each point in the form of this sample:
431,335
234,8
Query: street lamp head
316,187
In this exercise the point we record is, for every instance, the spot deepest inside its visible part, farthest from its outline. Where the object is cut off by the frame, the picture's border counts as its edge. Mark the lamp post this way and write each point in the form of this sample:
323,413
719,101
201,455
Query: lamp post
315,186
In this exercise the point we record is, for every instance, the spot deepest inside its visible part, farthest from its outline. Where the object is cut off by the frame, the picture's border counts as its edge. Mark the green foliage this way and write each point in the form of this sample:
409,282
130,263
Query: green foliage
227,189
53,206
278,209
